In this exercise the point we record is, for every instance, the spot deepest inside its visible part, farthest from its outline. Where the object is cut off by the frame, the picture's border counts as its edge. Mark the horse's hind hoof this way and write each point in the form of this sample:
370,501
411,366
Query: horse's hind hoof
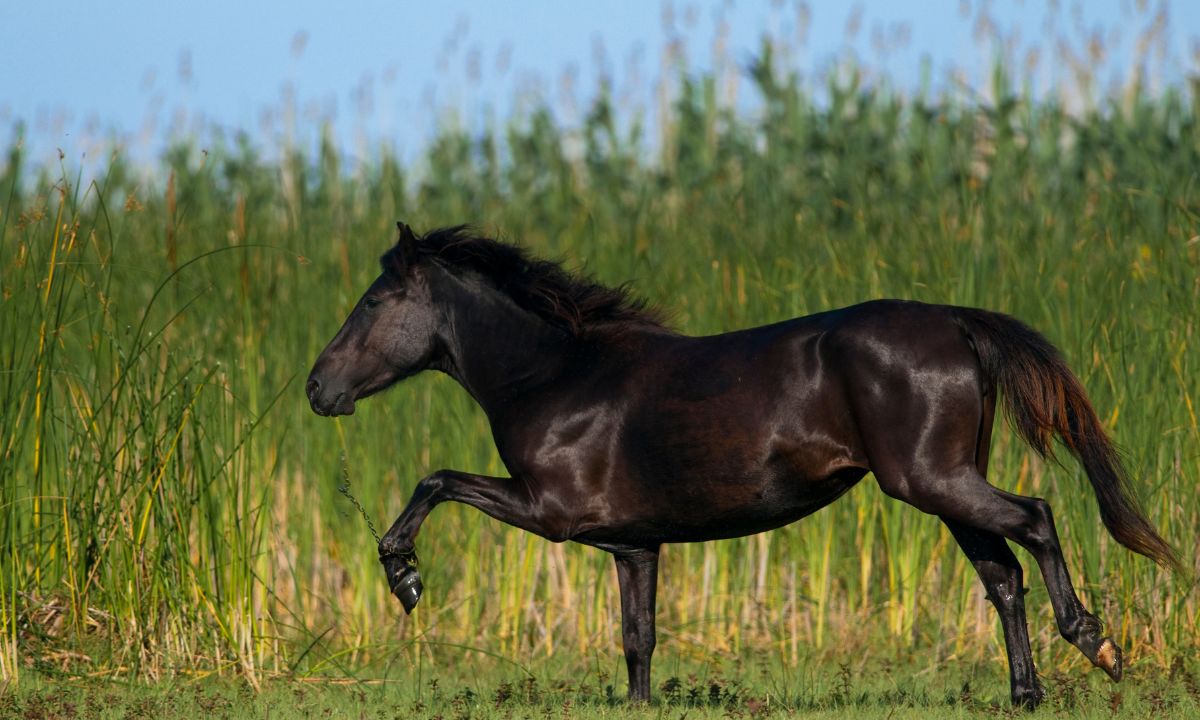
1108,659
407,588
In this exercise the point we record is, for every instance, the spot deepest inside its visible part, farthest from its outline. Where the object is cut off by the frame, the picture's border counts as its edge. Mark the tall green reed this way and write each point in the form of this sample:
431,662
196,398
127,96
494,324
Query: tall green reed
170,505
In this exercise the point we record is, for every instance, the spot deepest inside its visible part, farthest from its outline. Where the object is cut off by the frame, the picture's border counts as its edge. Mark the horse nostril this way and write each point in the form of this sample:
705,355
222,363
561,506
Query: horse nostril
312,388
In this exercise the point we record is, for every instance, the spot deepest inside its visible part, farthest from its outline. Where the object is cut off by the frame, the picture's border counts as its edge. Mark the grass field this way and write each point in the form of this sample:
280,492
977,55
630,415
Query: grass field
169,507
818,687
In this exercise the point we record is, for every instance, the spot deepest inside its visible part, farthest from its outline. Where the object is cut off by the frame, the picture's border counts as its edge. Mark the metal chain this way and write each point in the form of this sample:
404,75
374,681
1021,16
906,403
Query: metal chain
344,489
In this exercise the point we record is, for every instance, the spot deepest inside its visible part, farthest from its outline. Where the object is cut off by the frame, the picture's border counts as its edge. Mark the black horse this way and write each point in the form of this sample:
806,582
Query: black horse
624,435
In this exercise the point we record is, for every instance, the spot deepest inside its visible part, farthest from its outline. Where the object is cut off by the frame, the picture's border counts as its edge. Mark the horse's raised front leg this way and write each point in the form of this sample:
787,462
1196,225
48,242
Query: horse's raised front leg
637,572
505,499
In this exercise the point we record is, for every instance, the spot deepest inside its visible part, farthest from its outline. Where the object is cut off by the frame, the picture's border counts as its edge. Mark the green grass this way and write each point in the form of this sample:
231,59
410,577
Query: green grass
169,505
819,687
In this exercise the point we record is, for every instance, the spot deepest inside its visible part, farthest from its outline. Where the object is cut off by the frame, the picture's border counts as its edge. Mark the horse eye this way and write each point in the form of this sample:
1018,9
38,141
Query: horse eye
370,302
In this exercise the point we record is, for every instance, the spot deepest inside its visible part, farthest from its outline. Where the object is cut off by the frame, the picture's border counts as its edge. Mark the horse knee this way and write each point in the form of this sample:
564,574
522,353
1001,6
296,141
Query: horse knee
398,540
432,483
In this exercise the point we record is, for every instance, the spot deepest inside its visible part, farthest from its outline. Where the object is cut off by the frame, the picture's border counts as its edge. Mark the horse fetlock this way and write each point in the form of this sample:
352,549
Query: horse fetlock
392,544
404,580
1083,632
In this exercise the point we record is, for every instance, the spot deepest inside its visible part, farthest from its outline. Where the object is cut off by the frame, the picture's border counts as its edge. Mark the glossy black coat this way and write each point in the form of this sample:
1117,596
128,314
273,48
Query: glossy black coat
622,434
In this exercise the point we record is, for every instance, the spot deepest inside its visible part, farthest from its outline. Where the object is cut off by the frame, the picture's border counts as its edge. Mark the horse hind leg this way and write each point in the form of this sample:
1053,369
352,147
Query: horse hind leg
1002,578
964,497
1078,626
1001,575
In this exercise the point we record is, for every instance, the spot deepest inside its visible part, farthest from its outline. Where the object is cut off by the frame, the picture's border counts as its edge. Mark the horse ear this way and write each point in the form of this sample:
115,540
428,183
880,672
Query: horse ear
405,252
407,236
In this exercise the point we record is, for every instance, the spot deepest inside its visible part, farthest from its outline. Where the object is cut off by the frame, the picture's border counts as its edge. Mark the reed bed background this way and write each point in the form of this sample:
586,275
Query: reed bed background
169,505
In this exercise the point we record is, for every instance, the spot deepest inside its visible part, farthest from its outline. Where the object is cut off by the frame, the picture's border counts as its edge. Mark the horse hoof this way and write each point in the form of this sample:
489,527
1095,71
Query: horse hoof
1108,659
403,579
1028,697
407,588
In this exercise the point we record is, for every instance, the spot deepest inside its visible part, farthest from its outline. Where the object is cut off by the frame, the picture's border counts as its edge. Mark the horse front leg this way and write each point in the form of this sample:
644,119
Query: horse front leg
504,499
637,573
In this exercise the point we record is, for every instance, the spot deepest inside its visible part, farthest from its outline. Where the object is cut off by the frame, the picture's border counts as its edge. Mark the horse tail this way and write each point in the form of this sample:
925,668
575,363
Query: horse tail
1044,399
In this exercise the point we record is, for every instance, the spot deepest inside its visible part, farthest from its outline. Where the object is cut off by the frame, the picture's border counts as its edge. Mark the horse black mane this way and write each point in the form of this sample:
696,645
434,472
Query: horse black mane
571,300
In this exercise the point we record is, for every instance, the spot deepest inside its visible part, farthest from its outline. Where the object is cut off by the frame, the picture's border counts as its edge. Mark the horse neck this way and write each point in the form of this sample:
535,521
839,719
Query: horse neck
495,349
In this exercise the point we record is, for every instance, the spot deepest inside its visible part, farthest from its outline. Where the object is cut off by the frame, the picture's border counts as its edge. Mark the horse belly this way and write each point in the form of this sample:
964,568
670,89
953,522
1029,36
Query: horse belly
745,480
740,511
718,510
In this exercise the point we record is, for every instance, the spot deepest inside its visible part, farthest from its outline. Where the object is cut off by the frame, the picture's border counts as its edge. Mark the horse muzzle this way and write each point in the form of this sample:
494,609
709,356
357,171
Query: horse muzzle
327,401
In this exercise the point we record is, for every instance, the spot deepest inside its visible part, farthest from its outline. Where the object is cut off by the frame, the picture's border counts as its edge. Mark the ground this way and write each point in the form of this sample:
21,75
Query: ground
750,688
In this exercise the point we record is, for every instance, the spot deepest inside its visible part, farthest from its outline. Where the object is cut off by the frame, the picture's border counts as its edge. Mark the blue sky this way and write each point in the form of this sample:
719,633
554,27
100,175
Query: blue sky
79,74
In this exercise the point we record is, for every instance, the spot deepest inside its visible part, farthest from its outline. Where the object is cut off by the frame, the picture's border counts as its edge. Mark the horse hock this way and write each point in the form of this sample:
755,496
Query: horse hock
404,579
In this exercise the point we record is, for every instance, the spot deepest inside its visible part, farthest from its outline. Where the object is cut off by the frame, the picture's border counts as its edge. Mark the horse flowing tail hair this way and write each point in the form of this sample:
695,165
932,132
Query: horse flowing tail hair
1044,399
